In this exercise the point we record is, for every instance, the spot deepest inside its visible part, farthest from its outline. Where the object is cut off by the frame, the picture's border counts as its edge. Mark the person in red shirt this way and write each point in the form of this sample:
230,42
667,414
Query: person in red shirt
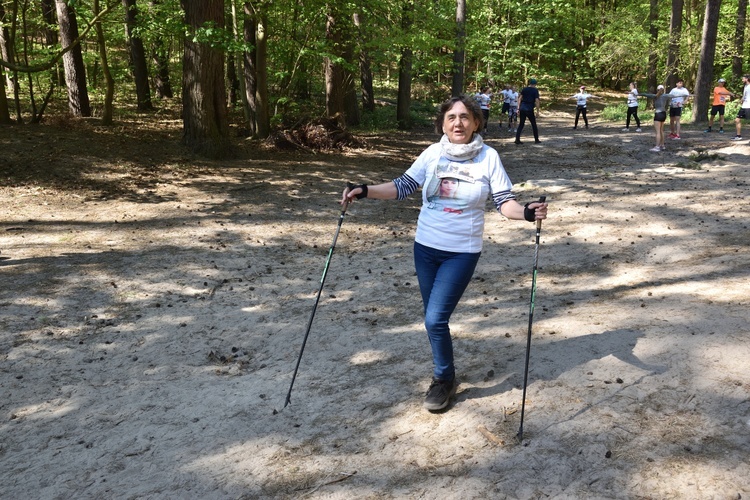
720,99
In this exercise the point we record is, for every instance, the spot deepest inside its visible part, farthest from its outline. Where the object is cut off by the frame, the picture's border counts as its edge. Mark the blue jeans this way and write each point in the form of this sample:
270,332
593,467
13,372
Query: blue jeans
443,277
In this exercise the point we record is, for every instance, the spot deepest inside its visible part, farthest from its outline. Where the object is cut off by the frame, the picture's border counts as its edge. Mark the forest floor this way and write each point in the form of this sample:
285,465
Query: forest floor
153,306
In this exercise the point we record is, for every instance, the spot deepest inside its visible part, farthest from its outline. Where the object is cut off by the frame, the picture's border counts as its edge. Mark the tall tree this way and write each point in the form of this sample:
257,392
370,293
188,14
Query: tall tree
365,68
673,51
459,54
108,79
706,65
739,40
75,70
255,68
403,105
7,50
334,72
137,56
204,113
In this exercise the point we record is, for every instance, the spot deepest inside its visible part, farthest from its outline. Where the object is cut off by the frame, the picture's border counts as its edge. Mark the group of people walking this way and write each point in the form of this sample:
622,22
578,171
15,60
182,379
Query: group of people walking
523,105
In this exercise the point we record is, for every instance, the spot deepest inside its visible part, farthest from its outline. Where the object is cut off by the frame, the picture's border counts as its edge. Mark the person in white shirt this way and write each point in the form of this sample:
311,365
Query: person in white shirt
513,110
457,176
484,98
632,108
680,96
581,97
506,100
744,108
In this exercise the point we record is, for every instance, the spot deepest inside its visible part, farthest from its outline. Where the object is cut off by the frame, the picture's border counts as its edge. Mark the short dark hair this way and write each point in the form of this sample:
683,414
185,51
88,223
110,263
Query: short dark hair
471,104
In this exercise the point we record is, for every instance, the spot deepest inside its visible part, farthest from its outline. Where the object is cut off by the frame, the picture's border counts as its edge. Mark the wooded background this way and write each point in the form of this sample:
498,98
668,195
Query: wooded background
272,63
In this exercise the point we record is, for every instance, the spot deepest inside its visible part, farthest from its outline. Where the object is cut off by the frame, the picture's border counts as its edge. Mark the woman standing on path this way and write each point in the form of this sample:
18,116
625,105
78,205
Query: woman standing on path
632,109
448,239
581,97
661,101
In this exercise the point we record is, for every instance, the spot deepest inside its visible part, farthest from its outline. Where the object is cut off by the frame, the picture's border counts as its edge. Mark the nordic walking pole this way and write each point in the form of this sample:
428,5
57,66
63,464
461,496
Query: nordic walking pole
531,317
317,299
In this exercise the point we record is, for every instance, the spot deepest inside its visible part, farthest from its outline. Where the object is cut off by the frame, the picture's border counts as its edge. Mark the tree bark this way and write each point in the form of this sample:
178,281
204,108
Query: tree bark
7,52
261,76
204,114
403,104
706,65
75,70
137,57
459,55
739,41
109,93
365,70
673,52
334,73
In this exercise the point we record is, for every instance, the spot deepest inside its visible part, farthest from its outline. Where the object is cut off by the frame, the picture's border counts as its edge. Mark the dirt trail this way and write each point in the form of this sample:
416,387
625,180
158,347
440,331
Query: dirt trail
152,308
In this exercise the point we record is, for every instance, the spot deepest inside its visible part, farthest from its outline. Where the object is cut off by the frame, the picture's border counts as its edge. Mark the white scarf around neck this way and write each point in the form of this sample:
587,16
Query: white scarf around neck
461,152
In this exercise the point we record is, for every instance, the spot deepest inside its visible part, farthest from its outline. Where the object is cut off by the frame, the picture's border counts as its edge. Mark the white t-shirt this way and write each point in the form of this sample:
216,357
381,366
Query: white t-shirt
484,100
679,96
581,98
633,98
454,196
513,98
506,95
746,97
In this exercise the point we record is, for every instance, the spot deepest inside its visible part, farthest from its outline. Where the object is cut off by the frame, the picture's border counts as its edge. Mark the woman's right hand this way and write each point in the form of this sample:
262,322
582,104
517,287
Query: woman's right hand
350,195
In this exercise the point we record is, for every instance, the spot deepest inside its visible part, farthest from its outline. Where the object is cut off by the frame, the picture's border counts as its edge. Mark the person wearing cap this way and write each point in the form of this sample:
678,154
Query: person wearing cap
680,96
528,101
581,97
744,108
661,101
720,99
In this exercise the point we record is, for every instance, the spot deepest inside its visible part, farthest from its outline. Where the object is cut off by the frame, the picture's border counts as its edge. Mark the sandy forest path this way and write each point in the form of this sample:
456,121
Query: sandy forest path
152,308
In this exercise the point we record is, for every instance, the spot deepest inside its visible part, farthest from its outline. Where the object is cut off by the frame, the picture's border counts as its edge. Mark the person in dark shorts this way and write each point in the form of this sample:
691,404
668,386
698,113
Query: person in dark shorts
717,106
661,102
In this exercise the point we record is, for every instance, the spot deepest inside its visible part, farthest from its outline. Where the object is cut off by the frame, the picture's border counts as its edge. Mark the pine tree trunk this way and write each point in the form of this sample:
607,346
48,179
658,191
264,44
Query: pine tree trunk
75,70
205,120
250,65
109,94
137,57
706,65
334,73
365,70
653,54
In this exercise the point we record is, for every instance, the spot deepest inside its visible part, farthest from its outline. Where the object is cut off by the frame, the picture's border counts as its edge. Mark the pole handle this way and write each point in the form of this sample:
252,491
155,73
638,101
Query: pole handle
542,199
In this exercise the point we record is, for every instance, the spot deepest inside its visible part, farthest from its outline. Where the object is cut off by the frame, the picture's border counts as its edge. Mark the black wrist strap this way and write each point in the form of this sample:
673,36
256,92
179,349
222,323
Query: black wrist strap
528,213
361,195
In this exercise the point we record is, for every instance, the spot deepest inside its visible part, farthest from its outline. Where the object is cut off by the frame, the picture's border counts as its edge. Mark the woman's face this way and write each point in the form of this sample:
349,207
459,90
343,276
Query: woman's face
459,124
448,188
